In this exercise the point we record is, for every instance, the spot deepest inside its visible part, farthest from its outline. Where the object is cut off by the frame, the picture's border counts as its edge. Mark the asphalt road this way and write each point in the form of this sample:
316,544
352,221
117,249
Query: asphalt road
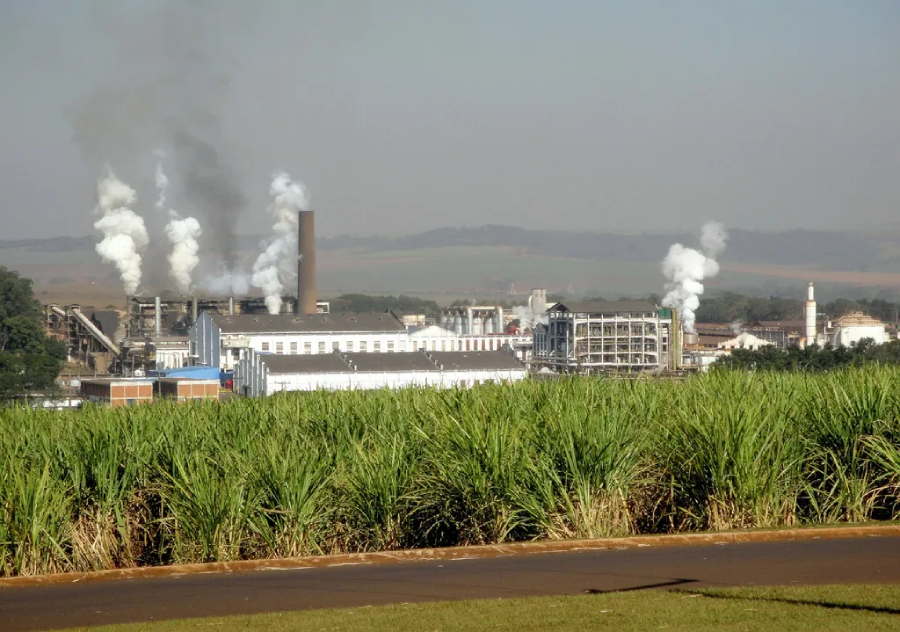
856,560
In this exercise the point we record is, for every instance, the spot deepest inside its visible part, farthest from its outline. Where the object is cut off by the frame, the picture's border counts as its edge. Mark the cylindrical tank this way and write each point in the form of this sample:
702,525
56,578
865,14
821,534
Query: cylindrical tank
444,319
469,323
488,325
498,320
458,324
157,316
476,326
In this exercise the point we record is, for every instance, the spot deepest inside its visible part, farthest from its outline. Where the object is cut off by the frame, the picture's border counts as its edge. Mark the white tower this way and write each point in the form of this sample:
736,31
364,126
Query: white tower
810,317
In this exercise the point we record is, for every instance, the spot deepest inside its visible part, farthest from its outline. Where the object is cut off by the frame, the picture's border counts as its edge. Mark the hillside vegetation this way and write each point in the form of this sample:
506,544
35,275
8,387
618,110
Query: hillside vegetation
313,473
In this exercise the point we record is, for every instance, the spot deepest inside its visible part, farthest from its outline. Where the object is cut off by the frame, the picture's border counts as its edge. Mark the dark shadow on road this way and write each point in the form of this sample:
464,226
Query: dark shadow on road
799,602
667,584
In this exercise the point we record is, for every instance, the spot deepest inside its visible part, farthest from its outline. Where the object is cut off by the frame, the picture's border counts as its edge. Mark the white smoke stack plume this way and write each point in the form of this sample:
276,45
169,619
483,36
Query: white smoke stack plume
275,266
124,232
182,233
234,282
162,182
528,318
686,268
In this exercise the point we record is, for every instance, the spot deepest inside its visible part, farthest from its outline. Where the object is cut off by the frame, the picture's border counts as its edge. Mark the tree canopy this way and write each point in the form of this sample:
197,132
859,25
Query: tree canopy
29,360
811,359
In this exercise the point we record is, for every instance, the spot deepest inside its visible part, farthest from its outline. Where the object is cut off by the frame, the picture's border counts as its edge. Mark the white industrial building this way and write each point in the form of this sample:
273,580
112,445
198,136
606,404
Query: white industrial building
599,336
856,326
260,374
219,340
436,338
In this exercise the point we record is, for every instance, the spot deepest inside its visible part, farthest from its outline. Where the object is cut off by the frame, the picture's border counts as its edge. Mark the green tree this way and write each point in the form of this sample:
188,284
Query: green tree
29,360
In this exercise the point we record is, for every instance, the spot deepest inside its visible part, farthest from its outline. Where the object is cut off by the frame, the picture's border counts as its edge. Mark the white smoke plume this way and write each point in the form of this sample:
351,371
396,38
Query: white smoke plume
124,233
275,266
225,281
162,182
528,318
182,233
686,268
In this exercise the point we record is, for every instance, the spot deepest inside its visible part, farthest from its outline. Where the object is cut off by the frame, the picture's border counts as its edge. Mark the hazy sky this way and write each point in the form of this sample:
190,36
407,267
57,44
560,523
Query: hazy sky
407,115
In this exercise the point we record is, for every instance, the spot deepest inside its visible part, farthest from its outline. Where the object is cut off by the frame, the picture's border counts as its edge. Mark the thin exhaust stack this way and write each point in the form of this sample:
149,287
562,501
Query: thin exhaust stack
306,264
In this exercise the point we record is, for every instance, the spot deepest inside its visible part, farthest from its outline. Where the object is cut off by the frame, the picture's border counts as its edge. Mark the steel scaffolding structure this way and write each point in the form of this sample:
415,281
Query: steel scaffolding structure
601,336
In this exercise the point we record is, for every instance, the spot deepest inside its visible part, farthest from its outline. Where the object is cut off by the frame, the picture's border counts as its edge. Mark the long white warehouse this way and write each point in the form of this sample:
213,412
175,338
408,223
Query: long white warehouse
259,374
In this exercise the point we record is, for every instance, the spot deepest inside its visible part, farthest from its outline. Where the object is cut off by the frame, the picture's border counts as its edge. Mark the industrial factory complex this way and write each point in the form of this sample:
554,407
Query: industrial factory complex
234,343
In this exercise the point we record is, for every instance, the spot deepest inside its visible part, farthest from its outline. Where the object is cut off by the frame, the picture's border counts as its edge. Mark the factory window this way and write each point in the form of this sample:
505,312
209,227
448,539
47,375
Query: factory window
265,346
363,346
279,348
349,345
307,348
390,346
376,347
322,347
335,346
293,348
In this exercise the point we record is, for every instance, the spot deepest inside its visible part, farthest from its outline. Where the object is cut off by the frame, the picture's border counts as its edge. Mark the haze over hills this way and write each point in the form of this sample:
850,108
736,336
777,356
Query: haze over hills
494,259
817,248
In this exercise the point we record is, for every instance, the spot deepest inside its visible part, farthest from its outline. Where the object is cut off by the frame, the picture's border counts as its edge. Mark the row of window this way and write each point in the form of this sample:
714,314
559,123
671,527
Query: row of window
293,348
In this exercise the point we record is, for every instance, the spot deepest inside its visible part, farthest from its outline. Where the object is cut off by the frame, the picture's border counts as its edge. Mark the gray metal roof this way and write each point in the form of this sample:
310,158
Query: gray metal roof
286,364
476,360
381,362
313,323
603,307
391,362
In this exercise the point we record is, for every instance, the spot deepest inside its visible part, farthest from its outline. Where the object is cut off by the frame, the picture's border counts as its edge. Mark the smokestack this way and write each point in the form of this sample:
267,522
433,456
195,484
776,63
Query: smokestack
810,317
157,318
231,306
306,264
498,325
193,309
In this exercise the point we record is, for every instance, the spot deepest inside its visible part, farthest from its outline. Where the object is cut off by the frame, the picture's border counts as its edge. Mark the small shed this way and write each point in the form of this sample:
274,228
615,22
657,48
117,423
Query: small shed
182,390
117,391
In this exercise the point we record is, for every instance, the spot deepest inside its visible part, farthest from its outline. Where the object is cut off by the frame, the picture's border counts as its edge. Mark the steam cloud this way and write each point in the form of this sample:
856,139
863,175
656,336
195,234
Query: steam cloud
528,318
227,281
166,82
124,233
182,233
275,265
686,268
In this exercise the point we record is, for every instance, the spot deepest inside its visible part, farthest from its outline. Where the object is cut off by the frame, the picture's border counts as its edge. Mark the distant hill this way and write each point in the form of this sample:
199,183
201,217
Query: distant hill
833,250
795,247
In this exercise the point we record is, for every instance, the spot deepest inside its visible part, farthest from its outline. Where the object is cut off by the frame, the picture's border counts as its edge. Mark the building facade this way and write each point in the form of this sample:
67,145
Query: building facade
607,336
265,374
219,340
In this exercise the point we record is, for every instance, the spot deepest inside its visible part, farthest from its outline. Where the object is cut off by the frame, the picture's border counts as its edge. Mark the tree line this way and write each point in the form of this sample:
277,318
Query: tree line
813,358
728,307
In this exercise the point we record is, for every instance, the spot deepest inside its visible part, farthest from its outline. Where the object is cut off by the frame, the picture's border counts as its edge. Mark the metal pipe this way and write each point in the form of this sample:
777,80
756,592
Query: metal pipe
231,306
306,264
498,316
193,309
157,316
469,323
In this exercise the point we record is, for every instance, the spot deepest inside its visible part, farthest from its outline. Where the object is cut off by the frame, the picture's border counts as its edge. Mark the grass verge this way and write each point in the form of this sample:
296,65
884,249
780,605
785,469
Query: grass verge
843,607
